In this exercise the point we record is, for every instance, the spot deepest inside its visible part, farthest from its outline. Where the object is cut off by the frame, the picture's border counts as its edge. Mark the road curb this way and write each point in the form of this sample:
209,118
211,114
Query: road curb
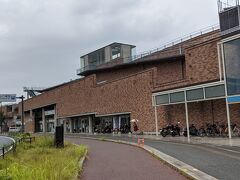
80,163
183,168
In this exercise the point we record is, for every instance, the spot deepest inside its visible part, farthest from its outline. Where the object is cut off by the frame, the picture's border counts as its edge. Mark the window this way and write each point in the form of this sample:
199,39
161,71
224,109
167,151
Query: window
9,109
97,57
215,91
116,51
232,66
162,99
195,94
177,97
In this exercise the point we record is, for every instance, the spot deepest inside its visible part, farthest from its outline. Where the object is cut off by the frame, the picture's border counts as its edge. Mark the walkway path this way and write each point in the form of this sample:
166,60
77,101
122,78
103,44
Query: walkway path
112,161
221,162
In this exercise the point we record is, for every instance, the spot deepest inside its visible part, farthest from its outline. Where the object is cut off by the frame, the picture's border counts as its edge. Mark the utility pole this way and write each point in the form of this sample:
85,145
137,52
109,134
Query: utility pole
2,113
22,98
1,107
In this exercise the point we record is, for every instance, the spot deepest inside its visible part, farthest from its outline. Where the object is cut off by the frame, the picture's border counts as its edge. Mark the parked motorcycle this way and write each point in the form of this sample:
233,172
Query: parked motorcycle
192,131
170,130
202,132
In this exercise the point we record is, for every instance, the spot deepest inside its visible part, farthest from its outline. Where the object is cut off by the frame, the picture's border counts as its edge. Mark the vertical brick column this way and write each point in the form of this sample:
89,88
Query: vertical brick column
43,120
32,120
90,124
65,125
55,118
70,124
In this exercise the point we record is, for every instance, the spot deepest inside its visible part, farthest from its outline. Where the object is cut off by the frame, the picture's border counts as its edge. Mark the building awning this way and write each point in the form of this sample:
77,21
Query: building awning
202,92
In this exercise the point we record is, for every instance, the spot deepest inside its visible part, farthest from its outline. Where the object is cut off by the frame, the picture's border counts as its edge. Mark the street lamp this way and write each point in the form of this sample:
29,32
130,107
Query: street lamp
22,98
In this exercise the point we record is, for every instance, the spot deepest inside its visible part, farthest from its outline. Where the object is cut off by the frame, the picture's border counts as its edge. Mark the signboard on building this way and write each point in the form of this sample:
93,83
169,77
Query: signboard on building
233,99
50,112
7,97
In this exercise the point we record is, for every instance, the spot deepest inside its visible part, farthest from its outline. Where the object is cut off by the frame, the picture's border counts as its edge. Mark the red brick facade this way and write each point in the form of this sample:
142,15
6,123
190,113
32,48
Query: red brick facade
129,89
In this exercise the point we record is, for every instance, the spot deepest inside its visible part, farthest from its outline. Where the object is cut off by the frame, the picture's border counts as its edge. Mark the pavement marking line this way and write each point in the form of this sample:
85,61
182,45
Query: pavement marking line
224,149
221,153
186,169
210,149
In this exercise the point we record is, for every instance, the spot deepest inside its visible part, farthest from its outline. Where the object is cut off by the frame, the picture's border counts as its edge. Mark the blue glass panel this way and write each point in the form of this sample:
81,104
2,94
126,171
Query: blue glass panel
234,99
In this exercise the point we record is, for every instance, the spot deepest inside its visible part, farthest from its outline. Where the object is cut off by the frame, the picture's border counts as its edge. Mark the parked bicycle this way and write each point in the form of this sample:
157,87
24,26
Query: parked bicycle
235,130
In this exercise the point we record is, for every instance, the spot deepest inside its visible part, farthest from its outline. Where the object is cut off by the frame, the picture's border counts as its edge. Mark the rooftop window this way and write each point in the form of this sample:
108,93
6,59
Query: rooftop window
116,51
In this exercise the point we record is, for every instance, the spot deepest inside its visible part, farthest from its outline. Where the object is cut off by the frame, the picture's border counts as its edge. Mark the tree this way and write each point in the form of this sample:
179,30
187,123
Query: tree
2,119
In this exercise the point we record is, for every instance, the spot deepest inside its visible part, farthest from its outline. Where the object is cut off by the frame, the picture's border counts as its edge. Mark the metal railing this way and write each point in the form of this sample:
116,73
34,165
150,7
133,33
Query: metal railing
178,41
226,4
12,147
86,68
166,46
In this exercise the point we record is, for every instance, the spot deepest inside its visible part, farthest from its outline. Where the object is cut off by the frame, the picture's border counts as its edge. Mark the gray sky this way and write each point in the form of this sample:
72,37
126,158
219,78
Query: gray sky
41,40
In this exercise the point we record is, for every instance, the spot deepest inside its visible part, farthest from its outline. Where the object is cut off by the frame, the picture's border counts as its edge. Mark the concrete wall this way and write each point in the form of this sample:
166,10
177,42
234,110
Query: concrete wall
126,51
108,54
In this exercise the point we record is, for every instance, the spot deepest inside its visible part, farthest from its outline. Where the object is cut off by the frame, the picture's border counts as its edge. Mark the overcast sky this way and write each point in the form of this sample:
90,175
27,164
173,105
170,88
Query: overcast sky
41,40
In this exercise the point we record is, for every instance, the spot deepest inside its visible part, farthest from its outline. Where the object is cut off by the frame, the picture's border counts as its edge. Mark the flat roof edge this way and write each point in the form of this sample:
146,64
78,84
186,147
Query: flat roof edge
136,62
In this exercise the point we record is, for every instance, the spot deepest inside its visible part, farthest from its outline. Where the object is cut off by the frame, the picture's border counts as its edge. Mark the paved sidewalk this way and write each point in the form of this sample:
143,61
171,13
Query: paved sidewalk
218,141
112,161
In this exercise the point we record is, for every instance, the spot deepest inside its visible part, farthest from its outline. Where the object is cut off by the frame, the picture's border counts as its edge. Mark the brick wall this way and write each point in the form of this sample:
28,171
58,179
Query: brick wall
202,62
200,113
29,122
200,65
166,71
130,90
170,71
118,73
132,94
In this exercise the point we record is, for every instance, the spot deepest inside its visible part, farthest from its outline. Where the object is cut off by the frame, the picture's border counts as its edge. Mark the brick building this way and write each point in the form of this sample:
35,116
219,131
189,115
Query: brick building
183,81
11,116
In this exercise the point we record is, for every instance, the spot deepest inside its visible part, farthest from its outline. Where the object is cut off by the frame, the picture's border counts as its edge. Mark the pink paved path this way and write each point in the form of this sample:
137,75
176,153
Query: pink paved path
112,161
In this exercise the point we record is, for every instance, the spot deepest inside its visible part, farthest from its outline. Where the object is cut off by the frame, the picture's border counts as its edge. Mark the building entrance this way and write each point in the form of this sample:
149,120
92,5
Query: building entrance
80,124
110,124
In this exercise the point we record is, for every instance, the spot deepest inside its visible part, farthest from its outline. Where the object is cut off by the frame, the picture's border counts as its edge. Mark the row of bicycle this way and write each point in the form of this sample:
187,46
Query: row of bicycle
211,130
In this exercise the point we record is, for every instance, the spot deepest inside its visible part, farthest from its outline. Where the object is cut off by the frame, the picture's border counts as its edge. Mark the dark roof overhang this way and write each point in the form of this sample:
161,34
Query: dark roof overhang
132,63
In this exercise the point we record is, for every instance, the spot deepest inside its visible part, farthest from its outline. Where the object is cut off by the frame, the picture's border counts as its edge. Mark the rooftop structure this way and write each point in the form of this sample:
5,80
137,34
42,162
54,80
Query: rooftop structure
229,16
125,54
105,55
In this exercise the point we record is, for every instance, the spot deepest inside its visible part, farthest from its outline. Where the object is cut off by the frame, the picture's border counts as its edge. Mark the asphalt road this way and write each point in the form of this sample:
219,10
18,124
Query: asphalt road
113,161
220,162
5,141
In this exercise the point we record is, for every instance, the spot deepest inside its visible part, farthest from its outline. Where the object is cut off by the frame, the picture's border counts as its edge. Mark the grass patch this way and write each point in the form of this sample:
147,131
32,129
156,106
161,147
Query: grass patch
40,160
